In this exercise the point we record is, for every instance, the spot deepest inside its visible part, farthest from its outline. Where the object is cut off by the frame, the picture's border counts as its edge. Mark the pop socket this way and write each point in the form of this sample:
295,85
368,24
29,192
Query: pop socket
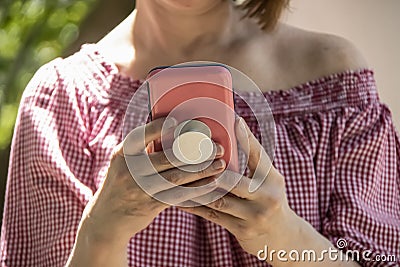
192,144
192,126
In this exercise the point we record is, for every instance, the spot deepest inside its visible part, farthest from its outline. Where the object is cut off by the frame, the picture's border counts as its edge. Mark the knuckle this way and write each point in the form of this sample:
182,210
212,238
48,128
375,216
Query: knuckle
203,172
249,234
275,200
261,216
175,177
220,203
123,199
275,204
163,160
241,226
212,214
130,211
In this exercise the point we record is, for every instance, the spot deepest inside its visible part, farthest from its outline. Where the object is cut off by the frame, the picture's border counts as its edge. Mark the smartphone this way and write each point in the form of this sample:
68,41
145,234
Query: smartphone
201,92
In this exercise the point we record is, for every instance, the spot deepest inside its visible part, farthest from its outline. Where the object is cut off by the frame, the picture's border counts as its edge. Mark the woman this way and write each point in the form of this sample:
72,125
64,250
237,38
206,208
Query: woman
71,199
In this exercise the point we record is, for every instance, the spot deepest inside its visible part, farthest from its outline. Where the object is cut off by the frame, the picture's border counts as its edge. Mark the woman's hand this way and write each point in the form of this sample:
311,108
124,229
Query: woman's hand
256,210
120,208
252,217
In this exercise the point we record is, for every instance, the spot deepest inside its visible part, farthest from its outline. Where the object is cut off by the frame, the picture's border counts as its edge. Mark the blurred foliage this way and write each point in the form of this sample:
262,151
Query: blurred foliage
32,32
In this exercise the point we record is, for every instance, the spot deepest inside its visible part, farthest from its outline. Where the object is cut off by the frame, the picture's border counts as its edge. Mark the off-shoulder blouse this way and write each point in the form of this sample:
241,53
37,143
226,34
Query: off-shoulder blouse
335,144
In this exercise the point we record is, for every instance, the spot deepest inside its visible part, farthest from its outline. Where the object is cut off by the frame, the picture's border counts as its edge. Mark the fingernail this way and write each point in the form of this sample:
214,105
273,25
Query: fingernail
242,126
220,151
170,122
218,164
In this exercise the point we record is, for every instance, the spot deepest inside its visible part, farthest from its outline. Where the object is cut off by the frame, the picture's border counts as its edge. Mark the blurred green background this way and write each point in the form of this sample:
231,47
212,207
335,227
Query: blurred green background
33,32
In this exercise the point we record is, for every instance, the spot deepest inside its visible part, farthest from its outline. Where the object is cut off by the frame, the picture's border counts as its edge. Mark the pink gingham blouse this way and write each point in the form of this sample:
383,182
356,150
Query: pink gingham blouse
336,146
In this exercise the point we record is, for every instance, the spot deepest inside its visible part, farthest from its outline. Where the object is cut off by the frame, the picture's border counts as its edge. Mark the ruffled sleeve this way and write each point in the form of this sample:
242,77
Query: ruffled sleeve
364,211
49,173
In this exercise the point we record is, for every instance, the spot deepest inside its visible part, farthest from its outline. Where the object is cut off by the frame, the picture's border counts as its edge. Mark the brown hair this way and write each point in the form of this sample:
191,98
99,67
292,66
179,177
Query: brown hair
267,12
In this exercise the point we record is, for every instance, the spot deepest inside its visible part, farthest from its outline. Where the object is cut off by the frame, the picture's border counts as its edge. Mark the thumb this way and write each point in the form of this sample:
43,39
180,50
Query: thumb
259,162
138,139
249,143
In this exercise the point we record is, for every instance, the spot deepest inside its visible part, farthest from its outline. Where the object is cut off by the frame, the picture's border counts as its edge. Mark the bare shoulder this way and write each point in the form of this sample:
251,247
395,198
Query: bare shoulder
335,52
321,54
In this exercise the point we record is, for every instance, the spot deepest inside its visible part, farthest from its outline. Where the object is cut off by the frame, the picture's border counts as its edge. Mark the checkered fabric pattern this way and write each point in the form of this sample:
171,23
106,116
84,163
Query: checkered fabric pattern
335,145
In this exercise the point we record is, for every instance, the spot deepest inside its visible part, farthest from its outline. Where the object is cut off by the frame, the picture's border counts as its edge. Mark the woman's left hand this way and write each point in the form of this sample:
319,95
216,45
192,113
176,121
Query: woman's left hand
257,212
256,218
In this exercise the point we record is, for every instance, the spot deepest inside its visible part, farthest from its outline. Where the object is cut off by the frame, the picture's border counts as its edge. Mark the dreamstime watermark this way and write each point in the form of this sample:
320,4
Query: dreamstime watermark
331,254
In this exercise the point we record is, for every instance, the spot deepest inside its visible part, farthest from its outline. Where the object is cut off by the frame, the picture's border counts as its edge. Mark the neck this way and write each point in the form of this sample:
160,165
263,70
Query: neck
163,30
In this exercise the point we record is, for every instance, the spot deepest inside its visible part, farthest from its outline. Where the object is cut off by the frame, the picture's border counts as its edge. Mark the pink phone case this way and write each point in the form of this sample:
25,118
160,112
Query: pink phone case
202,92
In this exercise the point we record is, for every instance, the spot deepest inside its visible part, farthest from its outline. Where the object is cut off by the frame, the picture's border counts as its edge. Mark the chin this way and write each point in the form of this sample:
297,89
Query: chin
194,6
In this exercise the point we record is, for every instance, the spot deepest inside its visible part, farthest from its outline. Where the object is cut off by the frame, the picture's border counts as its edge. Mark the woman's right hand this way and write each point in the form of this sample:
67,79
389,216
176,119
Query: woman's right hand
120,207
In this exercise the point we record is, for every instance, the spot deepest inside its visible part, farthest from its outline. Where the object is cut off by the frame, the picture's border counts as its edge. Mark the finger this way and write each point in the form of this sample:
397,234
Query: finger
137,140
149,164
258,161
181,194
162,181
162,161
232,223
229,204
236,184
229,182
249,143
